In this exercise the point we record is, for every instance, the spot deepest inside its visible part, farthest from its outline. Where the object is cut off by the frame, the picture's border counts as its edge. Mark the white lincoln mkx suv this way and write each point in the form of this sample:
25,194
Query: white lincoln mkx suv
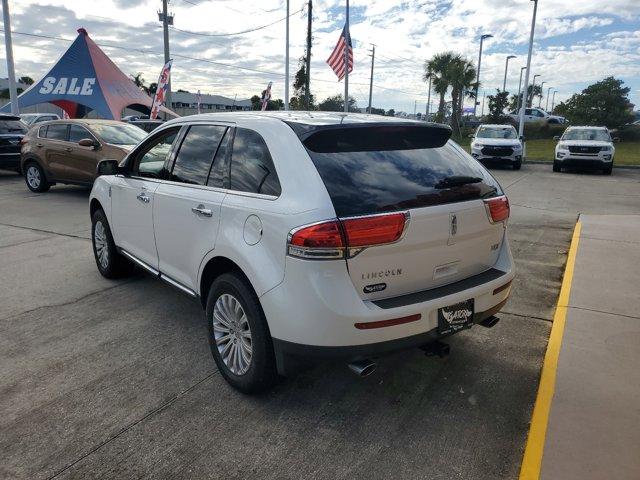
309,235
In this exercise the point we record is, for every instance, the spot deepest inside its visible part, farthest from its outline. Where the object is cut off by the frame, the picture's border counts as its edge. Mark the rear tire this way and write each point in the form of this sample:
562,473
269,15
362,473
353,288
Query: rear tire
111,264
239,336
556,167
35,178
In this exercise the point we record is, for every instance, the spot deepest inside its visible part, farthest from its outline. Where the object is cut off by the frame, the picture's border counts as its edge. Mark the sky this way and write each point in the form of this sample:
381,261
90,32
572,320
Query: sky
577,42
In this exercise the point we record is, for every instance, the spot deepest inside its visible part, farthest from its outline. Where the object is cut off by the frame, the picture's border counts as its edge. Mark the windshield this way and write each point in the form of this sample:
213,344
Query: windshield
497,132
12,126
587,134
28,118
119,134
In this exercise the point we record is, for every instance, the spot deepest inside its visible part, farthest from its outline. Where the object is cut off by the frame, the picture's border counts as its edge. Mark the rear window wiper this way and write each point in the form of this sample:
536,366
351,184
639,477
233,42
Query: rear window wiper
456,181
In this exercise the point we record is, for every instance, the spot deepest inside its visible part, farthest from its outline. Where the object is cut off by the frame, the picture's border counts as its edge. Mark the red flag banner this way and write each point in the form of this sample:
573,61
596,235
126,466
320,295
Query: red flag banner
161,90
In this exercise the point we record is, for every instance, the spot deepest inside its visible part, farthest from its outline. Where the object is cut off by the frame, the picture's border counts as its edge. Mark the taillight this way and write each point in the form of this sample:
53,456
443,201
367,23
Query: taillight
345,237
374,230
497,209
321,241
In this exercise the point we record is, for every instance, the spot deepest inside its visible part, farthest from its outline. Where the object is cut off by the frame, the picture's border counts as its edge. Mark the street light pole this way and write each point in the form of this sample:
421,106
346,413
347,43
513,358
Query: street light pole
475,100
541,94
13,91
546,108
526,78
506,67
286,62
518,100
429,99
483,95
553,100
533,88
346,62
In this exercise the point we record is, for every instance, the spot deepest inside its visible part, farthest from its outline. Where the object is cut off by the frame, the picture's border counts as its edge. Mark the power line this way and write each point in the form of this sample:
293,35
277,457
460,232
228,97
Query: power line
255,29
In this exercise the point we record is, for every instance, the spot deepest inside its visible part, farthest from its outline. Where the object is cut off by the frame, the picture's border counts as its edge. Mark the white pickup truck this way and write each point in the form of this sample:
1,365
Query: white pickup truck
537,115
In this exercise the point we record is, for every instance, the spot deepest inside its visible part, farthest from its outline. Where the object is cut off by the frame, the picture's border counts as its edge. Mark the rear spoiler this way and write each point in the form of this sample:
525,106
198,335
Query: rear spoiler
366,137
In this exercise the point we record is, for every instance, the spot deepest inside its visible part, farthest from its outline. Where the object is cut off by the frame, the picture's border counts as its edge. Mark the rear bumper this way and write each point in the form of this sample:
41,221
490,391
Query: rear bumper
313,312
290,356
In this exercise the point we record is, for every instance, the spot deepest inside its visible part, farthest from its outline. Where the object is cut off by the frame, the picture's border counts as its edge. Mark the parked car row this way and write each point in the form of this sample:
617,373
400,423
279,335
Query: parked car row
578,147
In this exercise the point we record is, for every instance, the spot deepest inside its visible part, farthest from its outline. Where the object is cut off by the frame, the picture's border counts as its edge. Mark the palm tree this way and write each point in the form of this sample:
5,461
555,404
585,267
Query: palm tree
461,74
436,70
140,82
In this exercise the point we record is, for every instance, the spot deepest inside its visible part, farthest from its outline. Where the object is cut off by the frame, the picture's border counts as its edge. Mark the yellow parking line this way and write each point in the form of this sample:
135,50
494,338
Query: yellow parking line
532,460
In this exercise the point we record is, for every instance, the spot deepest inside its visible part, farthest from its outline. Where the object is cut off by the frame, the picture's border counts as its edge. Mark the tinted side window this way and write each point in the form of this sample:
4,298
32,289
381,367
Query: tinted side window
219,175
196,153
77,133
150,160
252,168
42,132
57,132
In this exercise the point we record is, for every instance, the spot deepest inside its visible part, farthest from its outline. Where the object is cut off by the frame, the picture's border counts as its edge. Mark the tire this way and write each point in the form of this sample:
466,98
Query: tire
35,178
557,167
517,165
237,324
111,264
608,170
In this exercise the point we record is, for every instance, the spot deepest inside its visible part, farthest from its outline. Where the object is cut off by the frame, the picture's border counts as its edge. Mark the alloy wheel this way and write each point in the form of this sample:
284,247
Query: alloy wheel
33,177
101,245
232,334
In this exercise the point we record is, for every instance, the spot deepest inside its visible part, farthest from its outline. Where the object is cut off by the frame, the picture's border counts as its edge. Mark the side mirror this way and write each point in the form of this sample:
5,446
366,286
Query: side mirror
88,142
522,139
107,167
616,139
556,137
471,135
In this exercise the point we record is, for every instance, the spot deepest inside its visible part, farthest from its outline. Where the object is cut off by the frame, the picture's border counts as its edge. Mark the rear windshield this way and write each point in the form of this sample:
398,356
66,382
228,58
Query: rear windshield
12,126
383,170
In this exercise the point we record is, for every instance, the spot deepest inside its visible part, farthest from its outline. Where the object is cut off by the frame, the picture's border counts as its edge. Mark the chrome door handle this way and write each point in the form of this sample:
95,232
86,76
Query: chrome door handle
200,210
143,197
69,149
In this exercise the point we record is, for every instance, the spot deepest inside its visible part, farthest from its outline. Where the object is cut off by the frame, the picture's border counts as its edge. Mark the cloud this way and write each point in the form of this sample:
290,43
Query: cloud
576,42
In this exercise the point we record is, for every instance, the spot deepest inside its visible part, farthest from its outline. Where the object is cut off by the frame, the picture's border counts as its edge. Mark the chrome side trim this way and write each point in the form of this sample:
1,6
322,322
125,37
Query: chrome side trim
179,286
135,260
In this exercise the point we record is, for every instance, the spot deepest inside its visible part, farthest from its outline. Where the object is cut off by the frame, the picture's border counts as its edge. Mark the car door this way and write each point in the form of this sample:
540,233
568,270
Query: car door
81,161
55,150
187,205
132,198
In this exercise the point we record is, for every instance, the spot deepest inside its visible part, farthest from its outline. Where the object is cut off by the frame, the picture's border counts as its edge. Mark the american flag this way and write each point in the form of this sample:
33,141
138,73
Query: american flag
336,60
161,90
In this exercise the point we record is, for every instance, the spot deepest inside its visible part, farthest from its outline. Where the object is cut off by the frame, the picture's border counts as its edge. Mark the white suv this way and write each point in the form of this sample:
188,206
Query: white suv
585,147
497,144
309,235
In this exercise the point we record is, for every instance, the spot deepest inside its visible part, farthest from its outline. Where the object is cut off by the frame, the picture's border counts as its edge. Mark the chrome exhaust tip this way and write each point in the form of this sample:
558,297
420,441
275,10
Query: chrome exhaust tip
363,368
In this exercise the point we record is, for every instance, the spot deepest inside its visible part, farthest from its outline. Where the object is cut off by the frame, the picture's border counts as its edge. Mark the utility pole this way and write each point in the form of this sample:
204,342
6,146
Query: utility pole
526,78
286,62
166,20
347,41
373,57
307,95
415,106
13,91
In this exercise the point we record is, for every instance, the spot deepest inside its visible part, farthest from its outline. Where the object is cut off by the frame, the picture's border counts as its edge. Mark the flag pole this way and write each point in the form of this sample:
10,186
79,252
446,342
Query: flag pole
286,64
346,63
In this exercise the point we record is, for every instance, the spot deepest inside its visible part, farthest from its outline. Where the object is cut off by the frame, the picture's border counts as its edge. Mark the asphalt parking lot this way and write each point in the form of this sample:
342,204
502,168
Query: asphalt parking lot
106,379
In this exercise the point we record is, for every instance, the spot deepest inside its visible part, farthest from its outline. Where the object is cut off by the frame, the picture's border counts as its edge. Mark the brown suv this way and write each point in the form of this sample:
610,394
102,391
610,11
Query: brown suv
68,151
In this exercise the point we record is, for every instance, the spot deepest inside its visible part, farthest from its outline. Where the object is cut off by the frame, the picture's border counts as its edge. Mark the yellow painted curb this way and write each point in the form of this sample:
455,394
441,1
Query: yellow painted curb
532,460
